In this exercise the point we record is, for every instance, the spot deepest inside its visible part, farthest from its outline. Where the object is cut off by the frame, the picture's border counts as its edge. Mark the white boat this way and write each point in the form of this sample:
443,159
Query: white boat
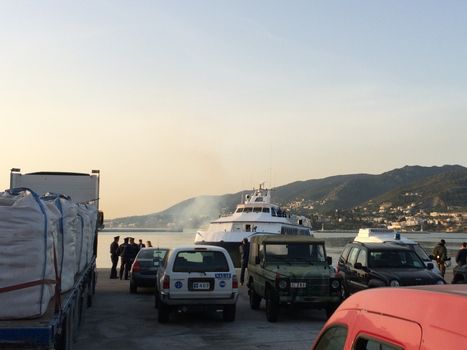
255,215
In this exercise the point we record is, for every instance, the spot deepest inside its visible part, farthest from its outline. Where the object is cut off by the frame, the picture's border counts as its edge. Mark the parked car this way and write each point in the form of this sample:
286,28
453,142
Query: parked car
286,270
370,265
194,277
411,318
378,235
144,269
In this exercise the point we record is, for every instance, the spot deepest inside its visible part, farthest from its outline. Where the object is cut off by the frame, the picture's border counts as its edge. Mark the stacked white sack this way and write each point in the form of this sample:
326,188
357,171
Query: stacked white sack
93,213
83,239
28,237
68,229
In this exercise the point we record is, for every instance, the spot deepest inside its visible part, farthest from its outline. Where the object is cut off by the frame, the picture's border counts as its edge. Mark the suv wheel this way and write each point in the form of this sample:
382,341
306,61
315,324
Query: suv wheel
133,286
163,315
272,306
255,299
229,313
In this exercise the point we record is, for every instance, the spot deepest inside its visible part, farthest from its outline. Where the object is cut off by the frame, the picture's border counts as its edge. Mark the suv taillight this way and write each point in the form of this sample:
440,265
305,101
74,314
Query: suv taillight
166,282
234,282
136,266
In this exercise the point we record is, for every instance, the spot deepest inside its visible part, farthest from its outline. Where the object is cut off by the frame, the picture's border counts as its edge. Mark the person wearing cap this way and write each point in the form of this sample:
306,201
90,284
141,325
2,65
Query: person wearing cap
441,254
124,254
245,253
114,257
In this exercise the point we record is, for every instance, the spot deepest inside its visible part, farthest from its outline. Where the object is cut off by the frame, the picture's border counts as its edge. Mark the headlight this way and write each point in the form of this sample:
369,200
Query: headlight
440,282
394,283
335,284
282,284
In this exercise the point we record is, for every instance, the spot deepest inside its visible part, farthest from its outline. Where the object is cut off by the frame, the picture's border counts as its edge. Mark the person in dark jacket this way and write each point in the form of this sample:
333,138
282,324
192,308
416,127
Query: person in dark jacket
123,252
461,257
441,254
133,251
141,244
114,257
245,253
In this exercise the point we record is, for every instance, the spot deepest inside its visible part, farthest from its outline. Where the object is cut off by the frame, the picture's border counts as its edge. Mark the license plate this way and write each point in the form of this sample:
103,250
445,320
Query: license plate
201,286
298,285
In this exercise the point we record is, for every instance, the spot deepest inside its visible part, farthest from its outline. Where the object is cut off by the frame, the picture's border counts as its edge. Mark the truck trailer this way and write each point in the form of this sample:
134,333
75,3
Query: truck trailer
57,327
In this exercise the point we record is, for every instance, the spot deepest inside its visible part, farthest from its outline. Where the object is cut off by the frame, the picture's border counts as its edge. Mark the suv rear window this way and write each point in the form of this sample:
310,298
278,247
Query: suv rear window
152,253
200,261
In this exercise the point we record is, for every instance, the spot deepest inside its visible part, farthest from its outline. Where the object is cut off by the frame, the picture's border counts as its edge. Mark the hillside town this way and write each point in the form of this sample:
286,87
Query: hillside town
401,218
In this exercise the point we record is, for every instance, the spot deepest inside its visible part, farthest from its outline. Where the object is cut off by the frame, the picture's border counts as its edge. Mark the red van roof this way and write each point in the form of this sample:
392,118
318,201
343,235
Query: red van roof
440,310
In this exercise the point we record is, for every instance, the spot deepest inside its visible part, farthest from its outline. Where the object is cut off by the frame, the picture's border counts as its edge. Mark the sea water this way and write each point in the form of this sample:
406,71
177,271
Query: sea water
335,241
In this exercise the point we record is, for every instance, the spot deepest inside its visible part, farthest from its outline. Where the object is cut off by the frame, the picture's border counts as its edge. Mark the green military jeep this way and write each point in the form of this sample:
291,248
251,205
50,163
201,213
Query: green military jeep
285,270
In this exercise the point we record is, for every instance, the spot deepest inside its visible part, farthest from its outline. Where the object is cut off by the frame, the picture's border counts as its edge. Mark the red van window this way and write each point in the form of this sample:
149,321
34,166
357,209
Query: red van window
332,339
374,344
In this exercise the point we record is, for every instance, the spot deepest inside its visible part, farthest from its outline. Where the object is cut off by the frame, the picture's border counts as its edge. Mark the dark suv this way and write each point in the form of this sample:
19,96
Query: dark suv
370,265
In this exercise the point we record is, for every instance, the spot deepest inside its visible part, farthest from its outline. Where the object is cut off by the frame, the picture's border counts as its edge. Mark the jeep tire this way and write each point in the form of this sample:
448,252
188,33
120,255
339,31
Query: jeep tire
330,308
272,306
255,299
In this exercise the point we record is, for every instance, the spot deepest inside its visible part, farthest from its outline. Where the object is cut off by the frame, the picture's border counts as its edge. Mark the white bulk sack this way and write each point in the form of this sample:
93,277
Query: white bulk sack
26,262
92,213
67,229
83,238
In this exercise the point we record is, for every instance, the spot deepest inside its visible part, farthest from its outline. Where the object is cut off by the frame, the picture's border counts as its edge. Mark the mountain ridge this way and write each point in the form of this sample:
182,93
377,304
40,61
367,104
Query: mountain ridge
437,188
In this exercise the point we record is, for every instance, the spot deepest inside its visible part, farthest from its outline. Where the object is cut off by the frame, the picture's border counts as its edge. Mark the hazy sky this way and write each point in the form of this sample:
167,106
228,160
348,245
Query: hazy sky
174,99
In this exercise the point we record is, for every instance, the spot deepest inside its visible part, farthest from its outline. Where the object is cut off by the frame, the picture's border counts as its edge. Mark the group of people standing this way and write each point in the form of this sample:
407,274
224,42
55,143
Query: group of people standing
127,252
440,253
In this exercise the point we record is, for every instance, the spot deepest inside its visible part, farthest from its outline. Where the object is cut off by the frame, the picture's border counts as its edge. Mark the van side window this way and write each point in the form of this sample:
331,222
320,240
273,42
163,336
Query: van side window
362,258
353,256
332,339
345,254
374,344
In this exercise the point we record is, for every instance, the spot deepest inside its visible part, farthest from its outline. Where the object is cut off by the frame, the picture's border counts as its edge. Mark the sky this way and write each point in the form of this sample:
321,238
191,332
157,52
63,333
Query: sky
176,99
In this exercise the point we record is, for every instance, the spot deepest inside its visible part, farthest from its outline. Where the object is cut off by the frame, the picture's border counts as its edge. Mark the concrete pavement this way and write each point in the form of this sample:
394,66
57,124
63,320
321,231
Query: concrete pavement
120,320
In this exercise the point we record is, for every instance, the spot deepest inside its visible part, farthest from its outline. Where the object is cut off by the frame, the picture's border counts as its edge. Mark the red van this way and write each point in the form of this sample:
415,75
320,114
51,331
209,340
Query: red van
424,318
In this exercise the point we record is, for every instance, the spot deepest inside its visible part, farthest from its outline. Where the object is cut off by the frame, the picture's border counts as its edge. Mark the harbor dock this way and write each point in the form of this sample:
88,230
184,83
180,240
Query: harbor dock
120,320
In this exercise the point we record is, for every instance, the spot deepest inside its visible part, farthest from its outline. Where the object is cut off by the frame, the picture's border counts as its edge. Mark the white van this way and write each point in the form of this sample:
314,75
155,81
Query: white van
381,235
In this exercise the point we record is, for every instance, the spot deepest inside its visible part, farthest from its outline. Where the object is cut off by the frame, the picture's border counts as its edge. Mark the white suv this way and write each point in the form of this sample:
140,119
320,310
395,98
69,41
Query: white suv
194,276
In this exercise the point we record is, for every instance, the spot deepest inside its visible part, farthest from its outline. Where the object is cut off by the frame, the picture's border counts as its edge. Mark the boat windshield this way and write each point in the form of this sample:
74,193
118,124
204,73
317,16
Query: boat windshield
295,253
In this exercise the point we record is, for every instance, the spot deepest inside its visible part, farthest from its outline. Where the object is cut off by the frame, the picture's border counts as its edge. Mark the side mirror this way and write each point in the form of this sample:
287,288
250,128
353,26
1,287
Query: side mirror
430,266
329,260
358,266
257,261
